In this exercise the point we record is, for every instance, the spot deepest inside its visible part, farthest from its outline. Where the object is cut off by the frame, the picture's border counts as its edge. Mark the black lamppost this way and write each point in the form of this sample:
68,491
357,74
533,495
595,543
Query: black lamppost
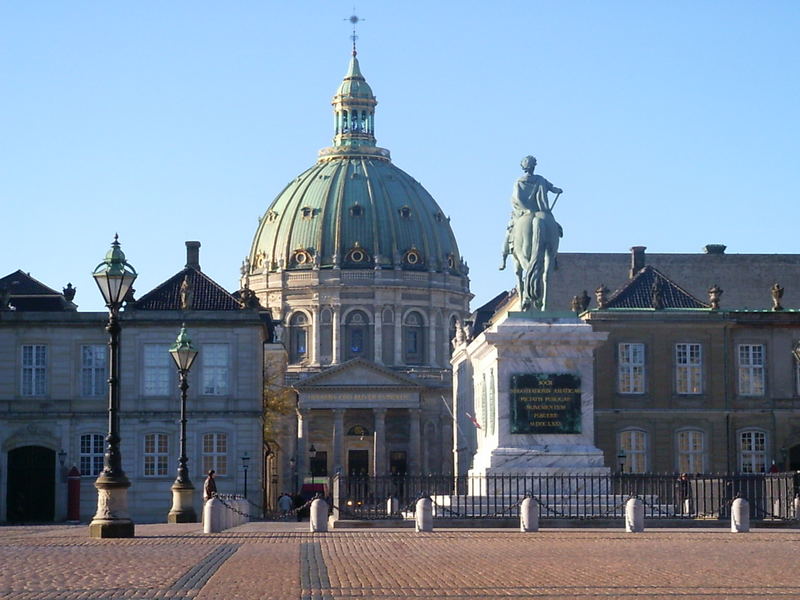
114,276
182,511
621,459
245,462
312,453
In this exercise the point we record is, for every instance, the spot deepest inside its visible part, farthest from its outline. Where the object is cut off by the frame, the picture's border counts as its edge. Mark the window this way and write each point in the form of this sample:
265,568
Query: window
691,446
752,451
298,338
356,335
215,369
156,454
34,370
94,378
91,454
413,339
633,443
631,368
215,453
156,369
688,369
751,369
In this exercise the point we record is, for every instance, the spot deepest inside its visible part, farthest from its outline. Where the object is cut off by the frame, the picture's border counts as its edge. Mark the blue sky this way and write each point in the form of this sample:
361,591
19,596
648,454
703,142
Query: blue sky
668,124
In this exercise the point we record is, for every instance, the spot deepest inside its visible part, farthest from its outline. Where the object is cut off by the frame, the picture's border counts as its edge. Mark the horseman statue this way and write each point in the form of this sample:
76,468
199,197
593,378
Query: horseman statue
533,236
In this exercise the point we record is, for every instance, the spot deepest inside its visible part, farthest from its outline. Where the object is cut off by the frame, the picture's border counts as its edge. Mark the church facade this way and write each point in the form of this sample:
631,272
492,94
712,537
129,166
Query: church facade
361,267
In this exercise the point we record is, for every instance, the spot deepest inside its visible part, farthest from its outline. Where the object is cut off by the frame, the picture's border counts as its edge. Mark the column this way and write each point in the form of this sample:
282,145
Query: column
303,415
413,441
377,335
338,440
336,312
316,328
398,338
432,361
379,451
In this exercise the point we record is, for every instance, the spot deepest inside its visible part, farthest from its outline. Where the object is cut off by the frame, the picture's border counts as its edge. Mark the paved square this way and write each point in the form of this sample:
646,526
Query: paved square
284,561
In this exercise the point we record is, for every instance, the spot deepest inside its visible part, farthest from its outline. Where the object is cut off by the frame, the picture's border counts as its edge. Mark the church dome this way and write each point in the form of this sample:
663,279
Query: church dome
354,208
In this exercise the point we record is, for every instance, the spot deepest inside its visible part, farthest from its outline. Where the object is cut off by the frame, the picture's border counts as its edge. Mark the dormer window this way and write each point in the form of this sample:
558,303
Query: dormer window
357,255
451,262
308,212
405,212
413,257
302,257
356,210
439,217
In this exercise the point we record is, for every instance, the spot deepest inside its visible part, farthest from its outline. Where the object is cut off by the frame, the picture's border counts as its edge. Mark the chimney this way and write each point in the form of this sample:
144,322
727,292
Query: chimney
193,255
714,248
637,260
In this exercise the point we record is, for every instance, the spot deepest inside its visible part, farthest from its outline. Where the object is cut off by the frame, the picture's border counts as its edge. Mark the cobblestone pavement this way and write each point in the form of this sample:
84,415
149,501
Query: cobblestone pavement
284,561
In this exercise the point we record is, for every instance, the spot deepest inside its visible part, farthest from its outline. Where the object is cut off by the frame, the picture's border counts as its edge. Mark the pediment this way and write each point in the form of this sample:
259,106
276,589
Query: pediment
357,373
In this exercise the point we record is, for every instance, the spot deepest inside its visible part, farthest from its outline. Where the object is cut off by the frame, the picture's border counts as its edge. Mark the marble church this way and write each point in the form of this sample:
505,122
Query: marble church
360,265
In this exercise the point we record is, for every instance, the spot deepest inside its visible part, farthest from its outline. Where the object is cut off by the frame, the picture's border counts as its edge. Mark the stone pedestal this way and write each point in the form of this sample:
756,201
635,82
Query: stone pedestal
182,510
533,396
112,519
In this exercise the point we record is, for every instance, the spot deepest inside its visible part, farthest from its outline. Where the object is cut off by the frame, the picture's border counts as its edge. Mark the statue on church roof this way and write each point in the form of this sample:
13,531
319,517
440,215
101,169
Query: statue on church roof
533,235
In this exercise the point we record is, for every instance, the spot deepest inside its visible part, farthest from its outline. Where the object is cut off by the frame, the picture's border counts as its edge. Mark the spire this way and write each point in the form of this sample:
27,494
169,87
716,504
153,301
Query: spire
354,112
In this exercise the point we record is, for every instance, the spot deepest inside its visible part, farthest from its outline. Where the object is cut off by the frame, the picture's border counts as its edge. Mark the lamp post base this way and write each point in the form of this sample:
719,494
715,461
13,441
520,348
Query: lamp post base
112,519
182,510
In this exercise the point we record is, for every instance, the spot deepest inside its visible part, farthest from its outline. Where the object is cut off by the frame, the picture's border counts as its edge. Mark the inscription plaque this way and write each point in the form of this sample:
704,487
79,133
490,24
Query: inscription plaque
545,403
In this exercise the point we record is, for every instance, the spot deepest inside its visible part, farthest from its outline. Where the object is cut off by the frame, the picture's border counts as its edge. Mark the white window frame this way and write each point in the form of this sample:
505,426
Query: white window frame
155,370
634,443
688,368
155,454
691,448
631,369
751,360
90,454
216,369
34,370
94,371
752,450
214,455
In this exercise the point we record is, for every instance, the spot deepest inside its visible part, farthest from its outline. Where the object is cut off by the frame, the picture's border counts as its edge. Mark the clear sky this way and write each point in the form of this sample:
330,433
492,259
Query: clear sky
668,124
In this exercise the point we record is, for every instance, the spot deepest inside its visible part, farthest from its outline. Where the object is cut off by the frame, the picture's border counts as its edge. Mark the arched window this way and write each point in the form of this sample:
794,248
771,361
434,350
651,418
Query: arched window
691,451
632,453
413,339
752,451
298,338
356,335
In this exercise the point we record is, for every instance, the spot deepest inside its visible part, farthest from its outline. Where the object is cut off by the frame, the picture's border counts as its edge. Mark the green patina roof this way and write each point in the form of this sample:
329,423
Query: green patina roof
354,199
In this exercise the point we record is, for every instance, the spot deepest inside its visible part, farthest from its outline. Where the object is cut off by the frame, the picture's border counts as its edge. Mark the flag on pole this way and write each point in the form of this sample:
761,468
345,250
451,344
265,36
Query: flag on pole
474,420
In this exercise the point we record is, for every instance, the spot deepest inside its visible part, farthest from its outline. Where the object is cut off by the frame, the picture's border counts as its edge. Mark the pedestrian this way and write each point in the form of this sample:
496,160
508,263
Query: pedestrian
683,495
209,487
285,504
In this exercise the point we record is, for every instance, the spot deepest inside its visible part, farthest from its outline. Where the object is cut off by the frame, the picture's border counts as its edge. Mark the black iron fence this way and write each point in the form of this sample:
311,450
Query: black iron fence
669,496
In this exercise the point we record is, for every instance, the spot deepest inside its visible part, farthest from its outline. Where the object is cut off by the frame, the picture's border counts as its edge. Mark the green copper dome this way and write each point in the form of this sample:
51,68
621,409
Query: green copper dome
354,208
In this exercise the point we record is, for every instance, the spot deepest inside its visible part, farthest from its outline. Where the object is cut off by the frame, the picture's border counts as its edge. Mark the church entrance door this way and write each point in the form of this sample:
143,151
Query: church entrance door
358,462
794,458
30,495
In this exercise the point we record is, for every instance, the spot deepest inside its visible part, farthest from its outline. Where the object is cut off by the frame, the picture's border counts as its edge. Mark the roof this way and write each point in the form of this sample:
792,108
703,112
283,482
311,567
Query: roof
650,288
745,278
354,209
28,294
204,294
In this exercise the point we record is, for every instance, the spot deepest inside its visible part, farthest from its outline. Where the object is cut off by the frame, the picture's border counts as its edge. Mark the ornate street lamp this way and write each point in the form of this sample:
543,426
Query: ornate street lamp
182,511
114,276
245,462
621,458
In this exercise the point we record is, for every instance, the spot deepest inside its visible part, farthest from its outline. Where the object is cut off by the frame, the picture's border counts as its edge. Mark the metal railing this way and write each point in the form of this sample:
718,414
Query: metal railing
703,496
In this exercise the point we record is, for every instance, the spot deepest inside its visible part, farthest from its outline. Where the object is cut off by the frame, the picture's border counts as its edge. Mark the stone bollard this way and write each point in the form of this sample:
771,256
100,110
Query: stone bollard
392,506
318,520
212,516
634,515
740,516
529,515
423,516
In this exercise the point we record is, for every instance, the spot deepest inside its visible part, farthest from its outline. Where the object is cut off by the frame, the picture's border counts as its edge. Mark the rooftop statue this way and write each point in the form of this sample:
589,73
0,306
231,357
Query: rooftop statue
533,236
